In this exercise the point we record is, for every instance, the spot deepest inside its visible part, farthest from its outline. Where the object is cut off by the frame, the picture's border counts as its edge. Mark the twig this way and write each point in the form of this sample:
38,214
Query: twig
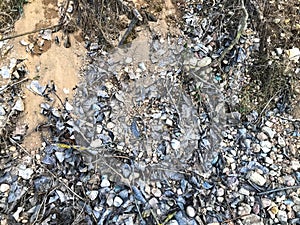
11,85
278,189
242,28
52,174
236,218
30,32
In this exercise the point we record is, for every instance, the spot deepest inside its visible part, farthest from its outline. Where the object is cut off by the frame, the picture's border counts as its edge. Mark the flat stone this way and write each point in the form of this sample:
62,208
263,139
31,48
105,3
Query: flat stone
175,144
156,192
252,219
295,164
173,222
244,191
256,178
190,211
265,202
204,62
25,173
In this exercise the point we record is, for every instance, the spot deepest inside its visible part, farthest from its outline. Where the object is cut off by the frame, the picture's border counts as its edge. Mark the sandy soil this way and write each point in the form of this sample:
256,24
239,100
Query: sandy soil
53,63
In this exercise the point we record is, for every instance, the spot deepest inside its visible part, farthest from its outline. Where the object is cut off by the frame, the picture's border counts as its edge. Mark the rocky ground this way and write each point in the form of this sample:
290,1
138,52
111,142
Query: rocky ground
193,118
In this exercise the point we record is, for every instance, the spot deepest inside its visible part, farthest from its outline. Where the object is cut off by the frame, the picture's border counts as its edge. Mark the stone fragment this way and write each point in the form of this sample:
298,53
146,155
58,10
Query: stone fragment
92,194
175,144
281,141
25,173
156,192
256,178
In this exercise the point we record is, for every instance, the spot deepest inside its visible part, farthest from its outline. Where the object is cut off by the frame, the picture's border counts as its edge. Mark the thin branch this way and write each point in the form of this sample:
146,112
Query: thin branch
278,189
52,174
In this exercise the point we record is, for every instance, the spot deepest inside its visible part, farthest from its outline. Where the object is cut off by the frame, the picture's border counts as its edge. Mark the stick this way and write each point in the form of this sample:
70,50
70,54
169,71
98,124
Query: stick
278,189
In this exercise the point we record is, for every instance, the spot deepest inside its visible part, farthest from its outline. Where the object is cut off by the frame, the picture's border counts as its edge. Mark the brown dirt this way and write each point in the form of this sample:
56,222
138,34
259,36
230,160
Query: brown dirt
54,63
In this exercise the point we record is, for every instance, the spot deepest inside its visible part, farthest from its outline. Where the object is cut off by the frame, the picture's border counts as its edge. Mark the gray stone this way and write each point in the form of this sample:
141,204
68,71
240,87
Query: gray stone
204,62
92,194
281,141
25,173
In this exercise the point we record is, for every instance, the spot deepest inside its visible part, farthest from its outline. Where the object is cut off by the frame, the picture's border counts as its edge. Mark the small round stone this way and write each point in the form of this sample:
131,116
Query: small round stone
105,183
190,211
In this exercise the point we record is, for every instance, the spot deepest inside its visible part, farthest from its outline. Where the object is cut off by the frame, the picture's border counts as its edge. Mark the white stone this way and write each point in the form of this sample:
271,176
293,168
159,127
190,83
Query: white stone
173,222
257,178
105,183
169,122
92,194
25,173
190,211
266,144
244,209
281,141
156,192
118,201
269,131
96,143
265,202
175,144
293,54
19,106
295,164
244,191
220,192
282,216
4,188
60,156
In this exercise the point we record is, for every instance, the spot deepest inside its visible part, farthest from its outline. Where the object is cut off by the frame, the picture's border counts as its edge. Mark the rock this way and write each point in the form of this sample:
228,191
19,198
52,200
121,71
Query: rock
2,111
60,156
281,141
256,178
118,201
262,136
204,62
244,209
156,192
220,192
190,211
282,216
293,54
19,106
153,203
128,60
244,191
268,131
172,222
25,173
252,219
175,144
92,194
295,164
289,180
4,188
105,183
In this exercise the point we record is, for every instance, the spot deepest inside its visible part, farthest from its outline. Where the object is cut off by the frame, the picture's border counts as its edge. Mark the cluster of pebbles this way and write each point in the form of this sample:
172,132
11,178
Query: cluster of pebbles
149,140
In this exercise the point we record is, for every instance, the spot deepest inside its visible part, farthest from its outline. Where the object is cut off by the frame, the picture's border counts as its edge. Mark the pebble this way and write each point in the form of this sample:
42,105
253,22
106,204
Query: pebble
190,211
2,111
269,131
282,216
220,192
262,136
156,192
25,173
244,191
204,62
256,178
92,194
295,164
118,201
281,141
175,144
172,222
244,209
105,183
4,188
